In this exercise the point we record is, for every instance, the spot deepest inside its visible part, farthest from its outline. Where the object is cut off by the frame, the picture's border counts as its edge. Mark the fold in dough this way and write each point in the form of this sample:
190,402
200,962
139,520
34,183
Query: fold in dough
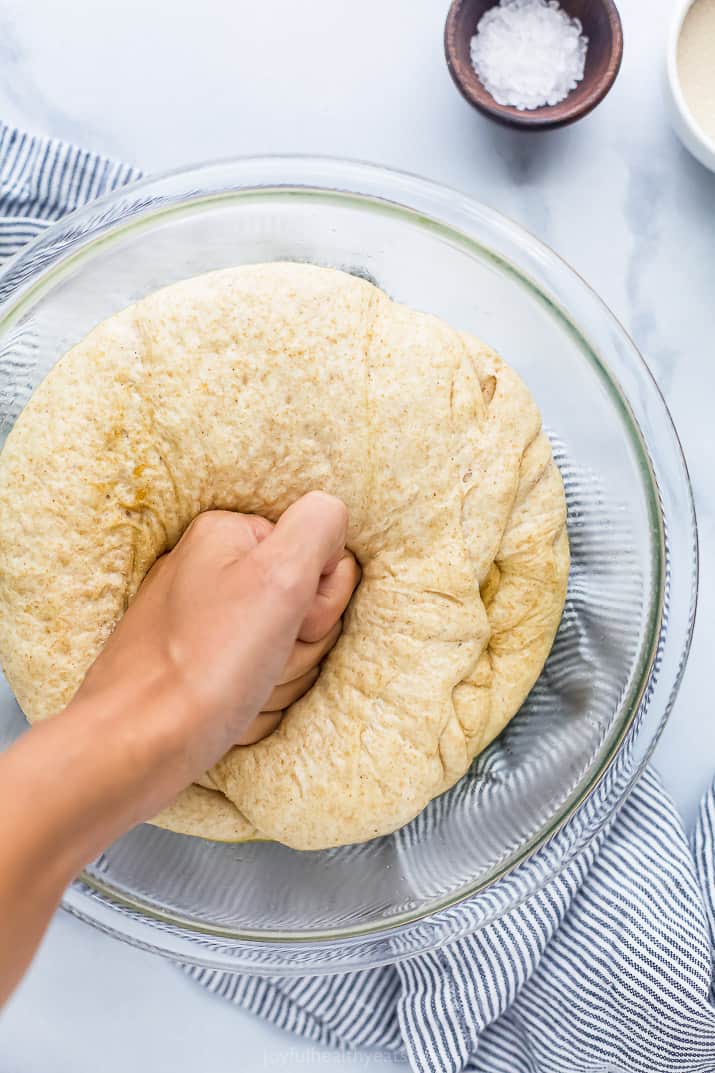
242,390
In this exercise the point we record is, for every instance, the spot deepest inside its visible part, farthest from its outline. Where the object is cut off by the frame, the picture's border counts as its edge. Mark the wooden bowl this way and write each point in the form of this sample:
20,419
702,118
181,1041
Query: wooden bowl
601,24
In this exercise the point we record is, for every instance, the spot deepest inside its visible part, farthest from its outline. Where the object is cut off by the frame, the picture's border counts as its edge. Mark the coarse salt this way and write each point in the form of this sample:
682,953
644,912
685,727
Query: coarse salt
528,53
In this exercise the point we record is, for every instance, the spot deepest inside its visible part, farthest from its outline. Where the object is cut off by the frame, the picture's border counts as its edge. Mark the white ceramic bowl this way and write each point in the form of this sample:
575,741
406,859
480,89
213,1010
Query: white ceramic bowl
693,138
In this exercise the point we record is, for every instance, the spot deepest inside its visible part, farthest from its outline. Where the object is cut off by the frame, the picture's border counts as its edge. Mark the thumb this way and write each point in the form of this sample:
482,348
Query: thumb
306,542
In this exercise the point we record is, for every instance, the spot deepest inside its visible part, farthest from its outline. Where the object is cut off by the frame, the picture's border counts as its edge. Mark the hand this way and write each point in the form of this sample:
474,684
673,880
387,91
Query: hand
218,617
319,631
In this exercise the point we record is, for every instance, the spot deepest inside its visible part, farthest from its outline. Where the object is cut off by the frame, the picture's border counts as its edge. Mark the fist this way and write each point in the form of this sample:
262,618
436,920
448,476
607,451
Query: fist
318,633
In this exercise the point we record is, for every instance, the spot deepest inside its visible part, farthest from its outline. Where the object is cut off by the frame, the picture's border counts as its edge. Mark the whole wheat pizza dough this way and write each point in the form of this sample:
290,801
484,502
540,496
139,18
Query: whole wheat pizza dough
242,390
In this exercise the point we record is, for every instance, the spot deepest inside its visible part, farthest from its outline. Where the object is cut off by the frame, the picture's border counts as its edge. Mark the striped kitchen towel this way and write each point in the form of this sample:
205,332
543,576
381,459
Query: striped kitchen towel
607,969
42,179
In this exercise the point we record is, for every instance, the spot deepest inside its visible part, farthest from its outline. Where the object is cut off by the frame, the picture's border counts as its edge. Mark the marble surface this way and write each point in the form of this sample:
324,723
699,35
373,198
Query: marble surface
171,82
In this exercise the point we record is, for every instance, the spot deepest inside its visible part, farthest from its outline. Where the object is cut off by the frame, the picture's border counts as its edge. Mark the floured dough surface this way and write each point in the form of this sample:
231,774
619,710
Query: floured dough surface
242,390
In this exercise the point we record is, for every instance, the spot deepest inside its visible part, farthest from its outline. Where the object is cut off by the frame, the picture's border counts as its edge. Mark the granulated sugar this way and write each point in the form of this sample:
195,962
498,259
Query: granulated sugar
528,53
696,64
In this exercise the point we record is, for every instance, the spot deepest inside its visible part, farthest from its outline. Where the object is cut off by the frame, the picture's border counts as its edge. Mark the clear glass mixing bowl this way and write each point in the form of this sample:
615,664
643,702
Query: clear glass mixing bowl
555,776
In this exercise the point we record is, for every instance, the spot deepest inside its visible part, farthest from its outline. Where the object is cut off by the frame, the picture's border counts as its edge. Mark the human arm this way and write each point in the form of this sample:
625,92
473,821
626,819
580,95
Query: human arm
237,607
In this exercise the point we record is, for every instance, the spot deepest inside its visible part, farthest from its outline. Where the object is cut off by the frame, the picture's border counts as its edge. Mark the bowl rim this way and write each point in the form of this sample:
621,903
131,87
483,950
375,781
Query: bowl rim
696,132
349,178
547,117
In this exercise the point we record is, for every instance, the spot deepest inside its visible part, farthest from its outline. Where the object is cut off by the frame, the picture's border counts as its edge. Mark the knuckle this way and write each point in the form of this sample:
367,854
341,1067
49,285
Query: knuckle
234,533
259,527
206,524
285,579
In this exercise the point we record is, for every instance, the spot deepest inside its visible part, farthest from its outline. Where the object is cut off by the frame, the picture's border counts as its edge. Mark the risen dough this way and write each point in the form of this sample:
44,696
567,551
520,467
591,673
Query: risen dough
242,390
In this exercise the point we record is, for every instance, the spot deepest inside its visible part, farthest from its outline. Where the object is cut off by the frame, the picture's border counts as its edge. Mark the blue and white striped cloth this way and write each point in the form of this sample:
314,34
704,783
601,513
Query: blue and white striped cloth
42,179
608,969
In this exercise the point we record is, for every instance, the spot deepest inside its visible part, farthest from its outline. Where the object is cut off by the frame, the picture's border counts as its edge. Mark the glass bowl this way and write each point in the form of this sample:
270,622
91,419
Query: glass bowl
557,773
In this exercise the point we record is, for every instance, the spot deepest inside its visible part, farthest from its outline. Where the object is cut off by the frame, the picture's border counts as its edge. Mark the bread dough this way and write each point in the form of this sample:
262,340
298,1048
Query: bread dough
242,390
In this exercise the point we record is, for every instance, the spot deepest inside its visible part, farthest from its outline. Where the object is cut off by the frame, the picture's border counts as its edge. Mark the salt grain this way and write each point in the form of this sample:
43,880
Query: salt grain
528,53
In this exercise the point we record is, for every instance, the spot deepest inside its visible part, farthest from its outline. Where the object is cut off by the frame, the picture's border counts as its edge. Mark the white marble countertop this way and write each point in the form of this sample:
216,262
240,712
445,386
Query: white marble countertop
173,82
